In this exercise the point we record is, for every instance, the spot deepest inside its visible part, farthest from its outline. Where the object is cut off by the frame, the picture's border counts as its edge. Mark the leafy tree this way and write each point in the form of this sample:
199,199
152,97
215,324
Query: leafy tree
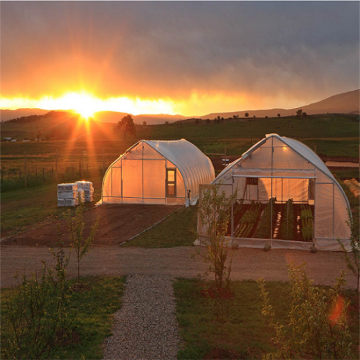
166,123
127,123
254,117
214,212
309,331
304,114
78,242
266,117
208,121
144,123
299,112
279,115
246,114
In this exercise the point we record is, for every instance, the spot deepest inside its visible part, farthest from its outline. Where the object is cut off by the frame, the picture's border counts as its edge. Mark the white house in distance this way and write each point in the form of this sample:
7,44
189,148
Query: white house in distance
157,172
309,206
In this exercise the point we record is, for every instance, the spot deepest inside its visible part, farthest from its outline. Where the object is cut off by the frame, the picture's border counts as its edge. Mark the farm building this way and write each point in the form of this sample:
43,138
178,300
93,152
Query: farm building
286,198
157,172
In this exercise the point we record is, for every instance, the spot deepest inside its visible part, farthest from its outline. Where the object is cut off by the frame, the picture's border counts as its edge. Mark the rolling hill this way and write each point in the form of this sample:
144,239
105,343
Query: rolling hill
345,103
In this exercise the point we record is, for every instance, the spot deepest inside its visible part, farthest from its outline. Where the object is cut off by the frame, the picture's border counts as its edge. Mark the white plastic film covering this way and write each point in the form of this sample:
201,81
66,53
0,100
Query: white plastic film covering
139,176
132,178
106,188
154,179
342,229
116,181
286,158
291,158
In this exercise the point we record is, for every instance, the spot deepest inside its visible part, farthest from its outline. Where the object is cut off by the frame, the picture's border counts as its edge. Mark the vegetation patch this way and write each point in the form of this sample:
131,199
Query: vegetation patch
94,305
234,328
179,229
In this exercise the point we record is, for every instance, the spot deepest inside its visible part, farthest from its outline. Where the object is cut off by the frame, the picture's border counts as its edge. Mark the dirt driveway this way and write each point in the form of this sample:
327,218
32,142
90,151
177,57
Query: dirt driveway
117,223
252,264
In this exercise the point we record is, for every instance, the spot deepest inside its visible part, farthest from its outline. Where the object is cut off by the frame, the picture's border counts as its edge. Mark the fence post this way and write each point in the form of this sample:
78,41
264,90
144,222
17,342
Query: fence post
25,170
56,177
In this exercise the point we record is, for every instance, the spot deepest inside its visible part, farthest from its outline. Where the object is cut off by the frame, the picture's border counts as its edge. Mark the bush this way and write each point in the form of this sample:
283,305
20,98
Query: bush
214,214
38,316
310,331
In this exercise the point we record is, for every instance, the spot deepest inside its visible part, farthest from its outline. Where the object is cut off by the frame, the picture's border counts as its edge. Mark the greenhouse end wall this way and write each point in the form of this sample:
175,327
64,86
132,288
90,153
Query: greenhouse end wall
306,199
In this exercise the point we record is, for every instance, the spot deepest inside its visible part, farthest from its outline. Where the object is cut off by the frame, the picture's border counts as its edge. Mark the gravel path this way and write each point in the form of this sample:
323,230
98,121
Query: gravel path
145,327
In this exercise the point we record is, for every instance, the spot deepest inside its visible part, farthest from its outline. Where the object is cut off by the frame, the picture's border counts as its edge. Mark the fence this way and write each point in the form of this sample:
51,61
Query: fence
17,175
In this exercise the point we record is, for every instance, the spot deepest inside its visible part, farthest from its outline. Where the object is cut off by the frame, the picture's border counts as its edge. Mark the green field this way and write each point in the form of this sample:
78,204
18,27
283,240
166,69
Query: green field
331,135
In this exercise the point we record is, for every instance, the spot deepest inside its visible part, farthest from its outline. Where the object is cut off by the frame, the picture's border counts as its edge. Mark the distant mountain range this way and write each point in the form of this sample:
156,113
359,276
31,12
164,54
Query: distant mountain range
345,103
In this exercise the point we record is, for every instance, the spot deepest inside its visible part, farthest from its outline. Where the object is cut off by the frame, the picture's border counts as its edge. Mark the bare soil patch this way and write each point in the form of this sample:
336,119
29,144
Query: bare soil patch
117,223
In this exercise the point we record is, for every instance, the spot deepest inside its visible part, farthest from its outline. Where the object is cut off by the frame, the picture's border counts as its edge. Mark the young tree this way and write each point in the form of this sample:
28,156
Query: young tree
317,323
246,114
279,115
144,123
299,112
78,242
214,212
127,123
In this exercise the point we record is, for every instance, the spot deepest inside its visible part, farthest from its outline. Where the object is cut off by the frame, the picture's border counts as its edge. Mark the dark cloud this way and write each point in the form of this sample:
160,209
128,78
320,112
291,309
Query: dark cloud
298,50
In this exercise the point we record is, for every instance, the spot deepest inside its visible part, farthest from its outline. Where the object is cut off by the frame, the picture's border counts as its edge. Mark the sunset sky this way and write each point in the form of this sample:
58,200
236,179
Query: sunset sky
189,58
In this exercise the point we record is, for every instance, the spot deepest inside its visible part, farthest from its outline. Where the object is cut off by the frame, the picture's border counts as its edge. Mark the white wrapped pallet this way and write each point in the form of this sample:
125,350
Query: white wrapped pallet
67,187
68,194
81,195
67,202
87,186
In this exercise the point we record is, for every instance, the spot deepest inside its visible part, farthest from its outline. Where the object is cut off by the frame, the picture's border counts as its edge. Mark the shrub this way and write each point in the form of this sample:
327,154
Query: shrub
38,316
310,331
214,214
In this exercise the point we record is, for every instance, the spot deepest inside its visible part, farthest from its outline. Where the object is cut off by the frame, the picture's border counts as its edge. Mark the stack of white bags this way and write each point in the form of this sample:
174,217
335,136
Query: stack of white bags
87,186
72,194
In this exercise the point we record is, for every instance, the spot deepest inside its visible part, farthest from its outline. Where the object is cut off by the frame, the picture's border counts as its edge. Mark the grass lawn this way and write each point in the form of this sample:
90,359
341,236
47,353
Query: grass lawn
95,316
245,333
176,230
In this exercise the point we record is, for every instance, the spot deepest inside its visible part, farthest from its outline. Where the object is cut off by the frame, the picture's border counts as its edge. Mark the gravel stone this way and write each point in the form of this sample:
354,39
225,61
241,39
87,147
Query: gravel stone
145,327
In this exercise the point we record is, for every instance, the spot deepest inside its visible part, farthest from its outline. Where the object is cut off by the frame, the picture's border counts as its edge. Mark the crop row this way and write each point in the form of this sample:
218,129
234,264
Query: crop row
306,223
248,220
268,218
287,224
